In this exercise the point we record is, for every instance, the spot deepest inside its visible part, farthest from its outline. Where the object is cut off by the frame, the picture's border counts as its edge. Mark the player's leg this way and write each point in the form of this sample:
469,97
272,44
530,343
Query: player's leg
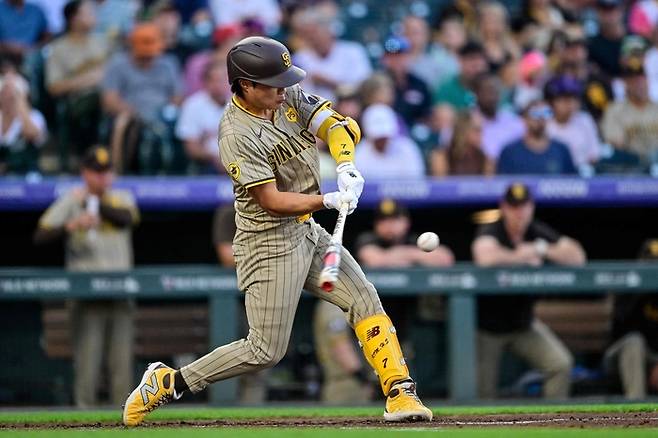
377,336
120,352
544,351
88,335
490,348
627,357
272,287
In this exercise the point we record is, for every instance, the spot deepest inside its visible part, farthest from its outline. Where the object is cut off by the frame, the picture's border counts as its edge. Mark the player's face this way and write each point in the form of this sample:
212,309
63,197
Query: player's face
392,229
264,97
518,217
97,182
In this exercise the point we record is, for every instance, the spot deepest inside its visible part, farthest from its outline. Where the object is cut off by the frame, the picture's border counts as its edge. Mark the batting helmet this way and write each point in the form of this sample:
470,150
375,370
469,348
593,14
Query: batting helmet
262,60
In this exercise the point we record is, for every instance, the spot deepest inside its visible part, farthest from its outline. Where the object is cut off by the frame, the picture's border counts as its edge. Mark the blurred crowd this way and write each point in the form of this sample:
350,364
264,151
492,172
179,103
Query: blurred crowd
449,87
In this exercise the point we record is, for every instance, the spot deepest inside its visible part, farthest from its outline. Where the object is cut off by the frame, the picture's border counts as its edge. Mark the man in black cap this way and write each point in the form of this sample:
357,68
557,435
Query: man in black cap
391,245
633,355
507,322
267,145
95,222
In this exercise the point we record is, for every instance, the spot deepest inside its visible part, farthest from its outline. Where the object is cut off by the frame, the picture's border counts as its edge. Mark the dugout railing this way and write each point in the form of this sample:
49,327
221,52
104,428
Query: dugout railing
459,284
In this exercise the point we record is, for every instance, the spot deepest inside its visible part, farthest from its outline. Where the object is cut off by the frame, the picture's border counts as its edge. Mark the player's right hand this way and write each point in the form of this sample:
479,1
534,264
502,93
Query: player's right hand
349,179
334,200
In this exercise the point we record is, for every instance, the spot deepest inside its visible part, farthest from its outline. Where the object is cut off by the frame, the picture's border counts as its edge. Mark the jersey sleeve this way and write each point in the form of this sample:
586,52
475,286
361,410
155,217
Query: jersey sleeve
308,106
244,161
58,214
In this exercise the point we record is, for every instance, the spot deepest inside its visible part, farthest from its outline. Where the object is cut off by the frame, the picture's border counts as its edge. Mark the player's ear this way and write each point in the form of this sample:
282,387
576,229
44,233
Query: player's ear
244,84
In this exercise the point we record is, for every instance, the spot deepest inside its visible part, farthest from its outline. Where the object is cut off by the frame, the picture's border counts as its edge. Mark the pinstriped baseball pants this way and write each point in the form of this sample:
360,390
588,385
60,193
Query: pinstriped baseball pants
273,286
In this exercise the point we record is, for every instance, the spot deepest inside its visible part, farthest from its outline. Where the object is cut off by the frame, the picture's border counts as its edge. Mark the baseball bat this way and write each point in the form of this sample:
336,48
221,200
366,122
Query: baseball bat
331,260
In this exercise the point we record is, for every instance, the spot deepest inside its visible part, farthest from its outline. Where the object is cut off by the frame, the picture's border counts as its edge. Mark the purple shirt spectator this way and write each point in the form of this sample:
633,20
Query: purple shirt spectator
499,126
499,131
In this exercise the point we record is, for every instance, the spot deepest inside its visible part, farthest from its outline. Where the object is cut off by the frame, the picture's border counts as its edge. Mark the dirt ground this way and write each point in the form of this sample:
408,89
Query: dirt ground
637,419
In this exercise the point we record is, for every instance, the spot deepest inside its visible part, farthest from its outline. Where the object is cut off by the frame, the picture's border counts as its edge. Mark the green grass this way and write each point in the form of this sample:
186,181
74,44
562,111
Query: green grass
330,433
170,413
112,417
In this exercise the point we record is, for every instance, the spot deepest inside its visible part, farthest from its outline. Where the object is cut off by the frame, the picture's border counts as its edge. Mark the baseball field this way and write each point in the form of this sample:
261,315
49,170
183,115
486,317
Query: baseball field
626,420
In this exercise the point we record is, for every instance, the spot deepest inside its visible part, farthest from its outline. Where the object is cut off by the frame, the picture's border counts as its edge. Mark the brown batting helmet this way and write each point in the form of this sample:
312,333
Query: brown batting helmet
262,60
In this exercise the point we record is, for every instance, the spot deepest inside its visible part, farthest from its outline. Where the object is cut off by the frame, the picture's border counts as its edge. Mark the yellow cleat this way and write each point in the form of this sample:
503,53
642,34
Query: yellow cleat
402,404
155,389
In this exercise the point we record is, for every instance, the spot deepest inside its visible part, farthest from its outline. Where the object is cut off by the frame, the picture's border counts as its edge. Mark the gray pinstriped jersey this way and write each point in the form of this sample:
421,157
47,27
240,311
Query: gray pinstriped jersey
255,150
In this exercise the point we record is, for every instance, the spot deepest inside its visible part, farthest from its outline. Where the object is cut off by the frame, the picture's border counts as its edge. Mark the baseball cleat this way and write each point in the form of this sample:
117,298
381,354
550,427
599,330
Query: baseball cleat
402,404
155,389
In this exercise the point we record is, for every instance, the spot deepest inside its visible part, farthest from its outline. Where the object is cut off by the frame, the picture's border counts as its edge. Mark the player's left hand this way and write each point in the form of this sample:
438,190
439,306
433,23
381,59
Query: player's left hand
334,200
349,179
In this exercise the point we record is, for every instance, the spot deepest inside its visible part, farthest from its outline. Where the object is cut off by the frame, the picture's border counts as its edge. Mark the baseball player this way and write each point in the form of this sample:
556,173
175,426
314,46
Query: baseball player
267,144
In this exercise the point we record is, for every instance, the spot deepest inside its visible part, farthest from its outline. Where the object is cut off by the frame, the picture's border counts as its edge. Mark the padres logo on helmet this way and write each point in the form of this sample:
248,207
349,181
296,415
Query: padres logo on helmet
258,59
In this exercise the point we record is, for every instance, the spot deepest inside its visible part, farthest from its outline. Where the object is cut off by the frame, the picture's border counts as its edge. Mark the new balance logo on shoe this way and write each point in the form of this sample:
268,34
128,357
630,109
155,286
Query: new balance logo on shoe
149,388
371,333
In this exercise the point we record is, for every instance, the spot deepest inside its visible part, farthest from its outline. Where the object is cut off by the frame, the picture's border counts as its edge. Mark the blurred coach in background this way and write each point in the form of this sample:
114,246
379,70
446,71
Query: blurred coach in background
95,221
508,322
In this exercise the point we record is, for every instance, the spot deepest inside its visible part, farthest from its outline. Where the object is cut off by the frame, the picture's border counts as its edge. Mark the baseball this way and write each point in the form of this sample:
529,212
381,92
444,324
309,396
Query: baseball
428,241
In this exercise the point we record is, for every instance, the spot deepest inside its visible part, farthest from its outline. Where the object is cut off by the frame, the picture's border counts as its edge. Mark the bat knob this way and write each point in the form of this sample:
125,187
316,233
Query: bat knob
327,286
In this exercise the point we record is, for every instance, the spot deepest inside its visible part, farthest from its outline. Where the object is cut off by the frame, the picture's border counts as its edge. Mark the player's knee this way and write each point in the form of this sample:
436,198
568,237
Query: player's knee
562,363
267,358
634,342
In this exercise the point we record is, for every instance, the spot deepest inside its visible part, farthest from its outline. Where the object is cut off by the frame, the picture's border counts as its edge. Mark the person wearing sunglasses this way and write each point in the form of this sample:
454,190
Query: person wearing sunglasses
536,152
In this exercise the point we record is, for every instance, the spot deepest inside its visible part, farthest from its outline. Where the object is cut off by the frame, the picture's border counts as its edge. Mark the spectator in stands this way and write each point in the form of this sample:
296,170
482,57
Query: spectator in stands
605,47
634,353
253,388
52,9
427,61
506,322
192,11
325,58
95,222
199,116
494,34
569,125
141,82
346,379
413,100
378,88
23,26
458,91
532,73
500,126
573,61
141,87
450,38
385,153
464,154
74,71
22,128
223,38
536,152
642,18
267,12
651,67
631,126
115,19
536,23
167,18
